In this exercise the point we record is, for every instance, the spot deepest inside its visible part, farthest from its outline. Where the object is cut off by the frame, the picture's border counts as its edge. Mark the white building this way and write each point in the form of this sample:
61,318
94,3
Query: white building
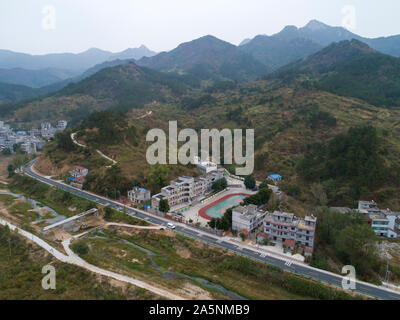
383,222
290,230
186,189
62,125
139,195
247,218
205,166
79,172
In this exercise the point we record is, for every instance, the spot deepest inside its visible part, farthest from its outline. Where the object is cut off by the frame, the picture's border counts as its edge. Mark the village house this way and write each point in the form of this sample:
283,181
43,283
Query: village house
275,178
184,190
383,222
205,166
139,195
290,230
79,172
77,182
247,218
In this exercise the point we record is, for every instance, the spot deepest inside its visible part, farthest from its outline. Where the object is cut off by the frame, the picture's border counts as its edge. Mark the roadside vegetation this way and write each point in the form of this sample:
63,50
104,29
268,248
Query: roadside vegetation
347,239
176,253
21,276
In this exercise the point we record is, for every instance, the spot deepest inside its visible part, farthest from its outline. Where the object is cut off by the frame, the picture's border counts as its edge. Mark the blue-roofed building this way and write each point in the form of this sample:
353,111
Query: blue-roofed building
71,178
274,177
139,195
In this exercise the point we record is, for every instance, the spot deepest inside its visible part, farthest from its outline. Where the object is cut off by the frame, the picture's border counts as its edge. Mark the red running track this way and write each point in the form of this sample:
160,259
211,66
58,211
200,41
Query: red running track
202,211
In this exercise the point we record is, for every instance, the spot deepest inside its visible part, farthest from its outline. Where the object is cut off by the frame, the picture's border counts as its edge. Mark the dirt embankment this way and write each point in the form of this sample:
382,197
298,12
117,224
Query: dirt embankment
47,168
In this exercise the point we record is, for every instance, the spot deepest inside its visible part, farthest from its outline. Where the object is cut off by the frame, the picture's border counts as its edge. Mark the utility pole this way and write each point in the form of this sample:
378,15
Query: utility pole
387,276
9,245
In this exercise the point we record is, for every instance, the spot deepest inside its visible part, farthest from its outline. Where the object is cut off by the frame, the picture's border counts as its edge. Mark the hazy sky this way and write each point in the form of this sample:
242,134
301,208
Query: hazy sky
44,26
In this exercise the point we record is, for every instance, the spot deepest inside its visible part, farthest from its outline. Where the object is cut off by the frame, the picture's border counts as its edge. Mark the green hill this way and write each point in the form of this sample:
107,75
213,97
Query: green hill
208,58
348,68
122,87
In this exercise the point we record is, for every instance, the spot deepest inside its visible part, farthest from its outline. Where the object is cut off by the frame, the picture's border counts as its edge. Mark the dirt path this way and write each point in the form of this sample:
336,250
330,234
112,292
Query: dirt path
98,151
148,113
74,259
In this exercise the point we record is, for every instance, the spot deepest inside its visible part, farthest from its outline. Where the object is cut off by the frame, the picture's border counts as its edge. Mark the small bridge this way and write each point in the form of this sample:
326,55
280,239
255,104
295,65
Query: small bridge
54,225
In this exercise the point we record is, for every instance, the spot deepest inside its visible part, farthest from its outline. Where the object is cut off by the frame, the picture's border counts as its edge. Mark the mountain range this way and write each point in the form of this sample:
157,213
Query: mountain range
294,43
349,68
207,58
311,49
78,62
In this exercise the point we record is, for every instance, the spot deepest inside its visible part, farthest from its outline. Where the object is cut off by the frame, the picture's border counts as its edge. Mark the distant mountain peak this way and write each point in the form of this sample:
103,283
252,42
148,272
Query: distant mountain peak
316,25
245,41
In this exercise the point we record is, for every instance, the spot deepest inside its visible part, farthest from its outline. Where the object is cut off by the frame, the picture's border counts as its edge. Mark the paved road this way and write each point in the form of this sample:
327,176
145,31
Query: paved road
294,267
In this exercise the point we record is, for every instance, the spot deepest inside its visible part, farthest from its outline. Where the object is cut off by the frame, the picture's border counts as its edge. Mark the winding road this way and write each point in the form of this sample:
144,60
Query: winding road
98,151
73,258
271,258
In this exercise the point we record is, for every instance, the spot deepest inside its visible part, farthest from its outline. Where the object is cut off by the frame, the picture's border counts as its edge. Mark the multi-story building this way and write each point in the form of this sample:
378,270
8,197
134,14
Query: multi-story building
79,172
139,195
205,166
62,125
368,206
247,218
290,230
383,222
78,182
186,189
379,223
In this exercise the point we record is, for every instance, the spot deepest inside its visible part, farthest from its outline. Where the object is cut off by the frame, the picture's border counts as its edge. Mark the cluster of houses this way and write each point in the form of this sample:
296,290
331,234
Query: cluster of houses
47,131
278,227
385,223
31,141
77,177
184,190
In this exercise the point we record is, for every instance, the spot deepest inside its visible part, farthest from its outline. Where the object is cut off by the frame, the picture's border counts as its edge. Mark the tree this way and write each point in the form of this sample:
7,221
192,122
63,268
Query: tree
357,246
319,194
6,152
108,212
250,182
219,185
263,185
64,141
260,198
10,169
158,176
164,206
80,248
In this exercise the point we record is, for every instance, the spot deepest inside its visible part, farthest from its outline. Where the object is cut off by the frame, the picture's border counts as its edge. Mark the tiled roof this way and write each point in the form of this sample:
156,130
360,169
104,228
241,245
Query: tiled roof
263,234
289,243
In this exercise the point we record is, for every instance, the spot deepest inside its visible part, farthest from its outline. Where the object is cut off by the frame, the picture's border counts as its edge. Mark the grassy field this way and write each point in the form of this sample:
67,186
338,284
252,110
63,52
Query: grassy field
21,264
178,254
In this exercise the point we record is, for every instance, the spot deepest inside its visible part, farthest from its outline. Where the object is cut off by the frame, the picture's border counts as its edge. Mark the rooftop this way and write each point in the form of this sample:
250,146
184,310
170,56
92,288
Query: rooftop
275,176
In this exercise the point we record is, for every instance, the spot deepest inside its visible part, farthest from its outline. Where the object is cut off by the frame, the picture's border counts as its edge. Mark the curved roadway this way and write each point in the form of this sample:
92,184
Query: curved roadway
252,253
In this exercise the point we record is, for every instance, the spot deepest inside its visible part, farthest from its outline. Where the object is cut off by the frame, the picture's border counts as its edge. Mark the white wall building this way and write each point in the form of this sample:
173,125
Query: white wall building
247,218
186,189
205,166
139,195
291,230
